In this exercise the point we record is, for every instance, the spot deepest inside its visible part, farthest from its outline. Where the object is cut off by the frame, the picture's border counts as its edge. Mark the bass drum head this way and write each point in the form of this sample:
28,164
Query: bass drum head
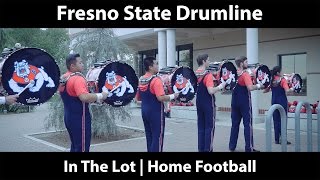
120,81
34,67
184,81
263,76
296,83
229,74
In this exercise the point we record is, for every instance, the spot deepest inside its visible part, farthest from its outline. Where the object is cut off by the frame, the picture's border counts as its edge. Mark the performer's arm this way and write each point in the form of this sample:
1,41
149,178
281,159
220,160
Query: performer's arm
248,83
81,90
157,87
208,81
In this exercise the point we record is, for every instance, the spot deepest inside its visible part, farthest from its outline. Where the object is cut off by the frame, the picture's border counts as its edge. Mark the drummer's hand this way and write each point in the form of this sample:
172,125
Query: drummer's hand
222,85
176,95
105,95
11,99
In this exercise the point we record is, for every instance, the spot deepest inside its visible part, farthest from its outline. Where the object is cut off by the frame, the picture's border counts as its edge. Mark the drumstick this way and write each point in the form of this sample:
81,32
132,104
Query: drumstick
27,86
115,88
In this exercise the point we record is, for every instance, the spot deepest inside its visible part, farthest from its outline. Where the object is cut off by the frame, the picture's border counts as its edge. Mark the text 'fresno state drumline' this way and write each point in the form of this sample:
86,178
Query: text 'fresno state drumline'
154,166
233,12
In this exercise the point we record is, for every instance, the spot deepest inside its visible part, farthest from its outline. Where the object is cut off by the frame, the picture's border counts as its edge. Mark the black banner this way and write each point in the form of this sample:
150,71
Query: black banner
202,165
155,13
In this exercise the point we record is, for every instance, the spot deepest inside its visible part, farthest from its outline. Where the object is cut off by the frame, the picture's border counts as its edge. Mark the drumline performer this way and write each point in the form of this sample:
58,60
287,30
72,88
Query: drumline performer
205,102
151,95
279,87
241,106
75,96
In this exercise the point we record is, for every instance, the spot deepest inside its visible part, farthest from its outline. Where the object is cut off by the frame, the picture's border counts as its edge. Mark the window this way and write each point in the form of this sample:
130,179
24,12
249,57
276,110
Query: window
295,63
185,55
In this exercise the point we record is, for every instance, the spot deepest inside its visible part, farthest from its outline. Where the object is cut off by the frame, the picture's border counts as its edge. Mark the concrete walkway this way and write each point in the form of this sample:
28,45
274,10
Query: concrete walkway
180,135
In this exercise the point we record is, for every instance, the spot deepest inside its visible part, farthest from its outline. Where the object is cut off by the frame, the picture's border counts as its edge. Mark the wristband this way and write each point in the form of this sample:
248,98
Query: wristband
171,96
220,87
2,100
99,96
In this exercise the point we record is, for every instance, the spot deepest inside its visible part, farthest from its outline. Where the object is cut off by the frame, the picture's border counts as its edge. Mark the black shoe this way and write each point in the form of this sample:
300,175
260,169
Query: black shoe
253,150
288,143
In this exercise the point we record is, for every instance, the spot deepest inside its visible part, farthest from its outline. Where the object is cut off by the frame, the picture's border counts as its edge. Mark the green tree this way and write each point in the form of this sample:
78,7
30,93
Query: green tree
95,45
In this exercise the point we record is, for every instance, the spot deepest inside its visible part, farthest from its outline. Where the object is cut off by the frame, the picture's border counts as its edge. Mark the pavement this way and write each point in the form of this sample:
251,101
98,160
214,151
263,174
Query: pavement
180,135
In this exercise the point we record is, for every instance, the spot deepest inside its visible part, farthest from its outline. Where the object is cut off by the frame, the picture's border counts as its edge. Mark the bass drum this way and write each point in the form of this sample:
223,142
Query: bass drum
120,81
31,72
295,81
184,81
228,73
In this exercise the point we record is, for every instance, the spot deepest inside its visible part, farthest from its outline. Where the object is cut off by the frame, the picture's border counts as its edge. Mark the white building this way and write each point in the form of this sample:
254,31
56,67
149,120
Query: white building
296,50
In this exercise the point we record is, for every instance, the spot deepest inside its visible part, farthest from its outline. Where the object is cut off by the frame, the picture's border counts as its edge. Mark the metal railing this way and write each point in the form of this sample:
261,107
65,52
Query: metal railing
309,126
283,127
297,127
318,109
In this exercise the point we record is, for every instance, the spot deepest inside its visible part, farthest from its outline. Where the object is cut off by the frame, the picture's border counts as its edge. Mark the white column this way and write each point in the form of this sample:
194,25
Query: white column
253,55
171,47
162,49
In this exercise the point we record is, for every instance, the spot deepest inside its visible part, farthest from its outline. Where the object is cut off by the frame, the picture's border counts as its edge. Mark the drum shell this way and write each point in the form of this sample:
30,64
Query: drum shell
166,75
92,78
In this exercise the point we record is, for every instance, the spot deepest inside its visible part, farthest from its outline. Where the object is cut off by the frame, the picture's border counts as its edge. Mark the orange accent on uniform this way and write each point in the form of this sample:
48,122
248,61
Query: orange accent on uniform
208,79
76,85
31,76
156,86
245,79
283,82
110,87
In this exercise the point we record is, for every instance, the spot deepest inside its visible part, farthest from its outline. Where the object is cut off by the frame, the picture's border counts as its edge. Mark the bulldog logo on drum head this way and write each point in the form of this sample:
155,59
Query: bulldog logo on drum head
117,85
263,75
297,83
24,73
182,85
184,81
229,75
32,73
120,81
